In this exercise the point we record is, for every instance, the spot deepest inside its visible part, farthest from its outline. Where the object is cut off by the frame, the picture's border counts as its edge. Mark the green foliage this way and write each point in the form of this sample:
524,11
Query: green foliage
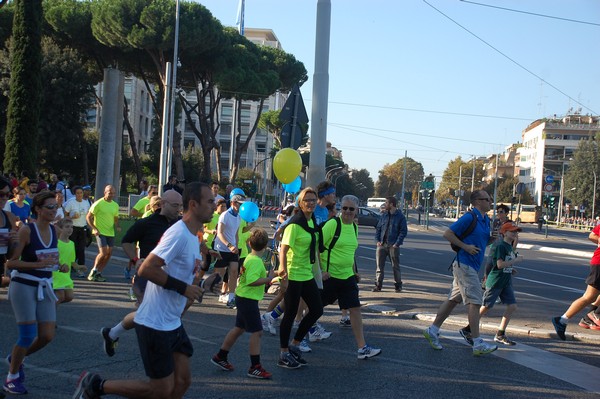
452,175
390,177
193,162
356,182
21,152
580,175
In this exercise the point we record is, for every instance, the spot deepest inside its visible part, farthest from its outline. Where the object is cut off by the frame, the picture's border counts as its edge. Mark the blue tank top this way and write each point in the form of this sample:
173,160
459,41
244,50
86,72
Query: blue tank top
36,244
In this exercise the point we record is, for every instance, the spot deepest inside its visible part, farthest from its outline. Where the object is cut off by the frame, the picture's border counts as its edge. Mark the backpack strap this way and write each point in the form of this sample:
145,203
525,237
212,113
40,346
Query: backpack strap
336,236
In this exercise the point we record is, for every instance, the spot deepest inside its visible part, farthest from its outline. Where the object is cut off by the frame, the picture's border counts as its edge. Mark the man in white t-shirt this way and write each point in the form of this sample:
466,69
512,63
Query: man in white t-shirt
76,209
164,345
226,242
214,186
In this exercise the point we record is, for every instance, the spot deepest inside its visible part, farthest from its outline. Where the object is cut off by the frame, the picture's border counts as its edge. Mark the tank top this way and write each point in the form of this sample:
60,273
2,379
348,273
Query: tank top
7,225
30,252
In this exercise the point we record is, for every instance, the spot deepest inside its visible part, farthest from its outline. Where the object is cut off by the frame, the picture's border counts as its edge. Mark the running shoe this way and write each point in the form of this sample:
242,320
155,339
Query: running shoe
15,387
258,372
99,278
319,334
466,334
231,304
559,327
503,339
272,324
109,344
132,295
297,355
303,347
264,322
483,348
585,322
367,351
434,339
376,289
21,369
222,364
594,318
85,386
287,361
345,322
223,298
92,275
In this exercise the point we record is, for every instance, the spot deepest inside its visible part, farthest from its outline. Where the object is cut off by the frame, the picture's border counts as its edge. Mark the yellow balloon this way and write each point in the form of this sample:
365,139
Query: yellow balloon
287,165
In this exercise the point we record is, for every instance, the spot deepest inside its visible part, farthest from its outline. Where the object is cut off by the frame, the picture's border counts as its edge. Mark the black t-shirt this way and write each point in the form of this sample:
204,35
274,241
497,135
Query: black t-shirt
147,232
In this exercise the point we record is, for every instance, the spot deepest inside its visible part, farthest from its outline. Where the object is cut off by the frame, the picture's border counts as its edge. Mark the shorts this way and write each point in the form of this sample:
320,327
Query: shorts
593,279
248,314
226,258
506,295
344,291
157,348
466,284
25,304
105,241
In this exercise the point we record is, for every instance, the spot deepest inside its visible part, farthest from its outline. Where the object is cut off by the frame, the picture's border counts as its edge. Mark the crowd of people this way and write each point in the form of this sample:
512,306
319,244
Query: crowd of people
185,244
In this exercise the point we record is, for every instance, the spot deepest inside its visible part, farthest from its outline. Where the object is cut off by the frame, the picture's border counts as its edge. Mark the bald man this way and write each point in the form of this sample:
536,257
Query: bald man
103,219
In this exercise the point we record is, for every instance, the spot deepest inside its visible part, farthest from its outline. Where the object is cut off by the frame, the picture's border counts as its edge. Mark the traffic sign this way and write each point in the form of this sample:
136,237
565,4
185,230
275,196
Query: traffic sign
549,179
548,188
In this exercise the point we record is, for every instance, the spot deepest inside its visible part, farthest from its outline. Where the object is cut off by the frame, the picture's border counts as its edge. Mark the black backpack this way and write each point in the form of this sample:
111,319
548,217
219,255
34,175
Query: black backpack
467,232
336,236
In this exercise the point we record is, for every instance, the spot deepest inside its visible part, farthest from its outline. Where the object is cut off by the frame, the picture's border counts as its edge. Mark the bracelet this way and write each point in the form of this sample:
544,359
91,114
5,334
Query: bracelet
176,285
133,261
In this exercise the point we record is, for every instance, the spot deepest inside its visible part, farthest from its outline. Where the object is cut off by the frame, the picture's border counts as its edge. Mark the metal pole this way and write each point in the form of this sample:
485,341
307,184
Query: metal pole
561,194
459,192
594,196
172,121
162,174
403,180
473,176
233,129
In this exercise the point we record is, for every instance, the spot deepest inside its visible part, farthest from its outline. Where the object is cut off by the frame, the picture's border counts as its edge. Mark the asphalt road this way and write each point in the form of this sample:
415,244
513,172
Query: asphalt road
538,366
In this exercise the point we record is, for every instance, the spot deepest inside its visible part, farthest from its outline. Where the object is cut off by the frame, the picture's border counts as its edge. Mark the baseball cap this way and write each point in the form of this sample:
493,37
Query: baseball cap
87,187
509,226
238,198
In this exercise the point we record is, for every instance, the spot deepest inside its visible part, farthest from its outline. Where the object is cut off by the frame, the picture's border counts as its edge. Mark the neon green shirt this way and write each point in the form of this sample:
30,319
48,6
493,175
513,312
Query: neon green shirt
299,267
66,256
140,206
252,269
104,216
209,238
243,239
341,262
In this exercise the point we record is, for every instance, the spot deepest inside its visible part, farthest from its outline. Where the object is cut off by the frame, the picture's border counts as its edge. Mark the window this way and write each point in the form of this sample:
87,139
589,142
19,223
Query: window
261,147
245,112
226,111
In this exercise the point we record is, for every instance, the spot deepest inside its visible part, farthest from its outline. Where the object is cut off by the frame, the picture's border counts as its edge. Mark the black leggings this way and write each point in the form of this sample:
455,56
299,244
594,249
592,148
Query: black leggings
308,291
79,238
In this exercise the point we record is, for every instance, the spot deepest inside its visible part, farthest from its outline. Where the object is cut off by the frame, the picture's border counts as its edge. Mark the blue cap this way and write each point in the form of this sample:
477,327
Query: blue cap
87,187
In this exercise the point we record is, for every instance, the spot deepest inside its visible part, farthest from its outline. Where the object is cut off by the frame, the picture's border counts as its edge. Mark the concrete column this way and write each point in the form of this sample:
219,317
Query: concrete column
107,140
119,134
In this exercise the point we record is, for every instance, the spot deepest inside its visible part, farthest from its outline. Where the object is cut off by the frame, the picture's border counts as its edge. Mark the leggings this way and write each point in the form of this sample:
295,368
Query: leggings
308,291
26,307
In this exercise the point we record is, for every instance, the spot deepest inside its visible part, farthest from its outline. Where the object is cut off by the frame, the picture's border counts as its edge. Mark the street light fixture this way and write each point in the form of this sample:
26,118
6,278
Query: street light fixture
332,171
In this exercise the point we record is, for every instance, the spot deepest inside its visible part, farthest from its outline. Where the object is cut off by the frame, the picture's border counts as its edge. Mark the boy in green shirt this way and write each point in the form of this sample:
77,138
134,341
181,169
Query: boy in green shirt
250,290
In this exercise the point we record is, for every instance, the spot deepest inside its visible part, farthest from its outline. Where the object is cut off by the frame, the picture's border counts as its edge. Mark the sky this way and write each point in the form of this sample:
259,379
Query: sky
438,79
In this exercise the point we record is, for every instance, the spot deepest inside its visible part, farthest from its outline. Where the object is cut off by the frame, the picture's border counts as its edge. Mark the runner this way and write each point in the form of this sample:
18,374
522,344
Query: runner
103,218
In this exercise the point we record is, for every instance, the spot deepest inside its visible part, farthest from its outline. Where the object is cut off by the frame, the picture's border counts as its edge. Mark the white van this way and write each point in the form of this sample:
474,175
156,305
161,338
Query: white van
375,202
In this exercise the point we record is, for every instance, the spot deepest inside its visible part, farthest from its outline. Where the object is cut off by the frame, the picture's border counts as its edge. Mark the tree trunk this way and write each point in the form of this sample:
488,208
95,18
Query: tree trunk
240,149
177,160
132,143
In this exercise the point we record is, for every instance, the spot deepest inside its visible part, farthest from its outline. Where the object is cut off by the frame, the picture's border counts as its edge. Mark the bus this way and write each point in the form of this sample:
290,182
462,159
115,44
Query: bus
524,214
375,202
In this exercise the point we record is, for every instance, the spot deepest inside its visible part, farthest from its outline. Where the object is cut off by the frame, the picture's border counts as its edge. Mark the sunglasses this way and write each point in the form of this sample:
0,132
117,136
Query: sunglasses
50,207
484,199
349,208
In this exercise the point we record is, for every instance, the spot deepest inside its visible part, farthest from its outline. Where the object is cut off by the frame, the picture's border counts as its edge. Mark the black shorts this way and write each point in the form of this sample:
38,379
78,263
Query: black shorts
248,314
157,348
226,258
344,291
593,278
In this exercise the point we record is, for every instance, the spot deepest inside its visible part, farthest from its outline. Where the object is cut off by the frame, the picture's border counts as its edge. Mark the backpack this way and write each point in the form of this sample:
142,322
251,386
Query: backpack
467,232
336,236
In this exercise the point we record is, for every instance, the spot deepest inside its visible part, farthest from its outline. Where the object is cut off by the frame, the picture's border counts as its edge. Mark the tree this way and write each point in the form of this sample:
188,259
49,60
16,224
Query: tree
21,152
356,182
271,122
456,170
580,175
391,176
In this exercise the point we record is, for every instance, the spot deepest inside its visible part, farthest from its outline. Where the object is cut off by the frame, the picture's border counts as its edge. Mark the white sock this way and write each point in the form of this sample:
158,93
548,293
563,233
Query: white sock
564,319
116,331
434,329
11,377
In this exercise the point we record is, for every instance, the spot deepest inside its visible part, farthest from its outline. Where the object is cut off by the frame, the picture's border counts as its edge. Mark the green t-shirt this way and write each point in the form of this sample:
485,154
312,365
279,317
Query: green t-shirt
252,269
341,262
140,206
299,267
209,238
66,256
243,239
104,216
499,278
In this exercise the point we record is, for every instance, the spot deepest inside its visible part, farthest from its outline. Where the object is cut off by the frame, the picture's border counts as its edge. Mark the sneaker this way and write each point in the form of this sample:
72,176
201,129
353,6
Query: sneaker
503,339
593,317
398,288
127,273
15,387
99,278
466,334
585,322
303,347
594,327
132,295
483,348
434,339
272,324
109,344
81,274
264,321
92,275
222,364
319,334
366,352
223,298
258,372
21,369
559,327
297,355
231,304
287,361
85,385
345,322
376,289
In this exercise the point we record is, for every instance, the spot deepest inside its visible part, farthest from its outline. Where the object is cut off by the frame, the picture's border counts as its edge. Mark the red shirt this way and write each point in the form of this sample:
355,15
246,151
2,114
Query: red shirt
596,257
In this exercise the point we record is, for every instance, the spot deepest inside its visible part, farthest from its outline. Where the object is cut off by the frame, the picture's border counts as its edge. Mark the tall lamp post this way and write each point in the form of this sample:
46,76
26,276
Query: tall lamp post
594,195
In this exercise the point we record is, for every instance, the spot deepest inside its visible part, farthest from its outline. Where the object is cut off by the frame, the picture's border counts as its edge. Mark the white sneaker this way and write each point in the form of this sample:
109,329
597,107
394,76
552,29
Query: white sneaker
483,348
303,347
367,352
223,298
434,339
272,324
318,335
265,322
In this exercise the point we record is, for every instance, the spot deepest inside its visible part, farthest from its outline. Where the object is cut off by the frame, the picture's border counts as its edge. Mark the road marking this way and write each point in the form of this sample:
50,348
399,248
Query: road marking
553,274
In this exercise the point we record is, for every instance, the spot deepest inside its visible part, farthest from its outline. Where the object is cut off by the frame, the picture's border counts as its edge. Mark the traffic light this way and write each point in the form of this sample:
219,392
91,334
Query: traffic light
552,199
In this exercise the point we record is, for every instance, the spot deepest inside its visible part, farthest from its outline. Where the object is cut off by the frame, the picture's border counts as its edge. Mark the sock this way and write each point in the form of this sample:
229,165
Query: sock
500,333
116,331
222,354
434,329
254,360
277,312
564,319
11,377
477,341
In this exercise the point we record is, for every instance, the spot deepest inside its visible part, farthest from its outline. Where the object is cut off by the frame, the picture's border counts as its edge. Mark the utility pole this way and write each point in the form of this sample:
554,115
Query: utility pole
459,192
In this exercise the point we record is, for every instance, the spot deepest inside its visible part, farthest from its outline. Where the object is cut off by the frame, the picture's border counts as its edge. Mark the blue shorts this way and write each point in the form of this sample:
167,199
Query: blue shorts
248,314
105,241
506,295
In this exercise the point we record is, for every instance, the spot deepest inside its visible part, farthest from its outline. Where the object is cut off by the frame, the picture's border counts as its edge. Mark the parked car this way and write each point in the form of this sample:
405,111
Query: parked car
367,217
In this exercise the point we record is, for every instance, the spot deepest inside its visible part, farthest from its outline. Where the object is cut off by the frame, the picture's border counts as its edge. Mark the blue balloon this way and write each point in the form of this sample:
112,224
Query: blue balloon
249,212
237,191
294,186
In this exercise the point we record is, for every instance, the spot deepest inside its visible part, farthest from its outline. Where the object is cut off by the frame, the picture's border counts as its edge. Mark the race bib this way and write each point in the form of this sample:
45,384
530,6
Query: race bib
51,254
4,241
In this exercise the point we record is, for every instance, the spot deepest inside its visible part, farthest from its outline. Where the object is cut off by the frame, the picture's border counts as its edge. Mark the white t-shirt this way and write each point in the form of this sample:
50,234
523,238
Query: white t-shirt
161,309
72,206
231,225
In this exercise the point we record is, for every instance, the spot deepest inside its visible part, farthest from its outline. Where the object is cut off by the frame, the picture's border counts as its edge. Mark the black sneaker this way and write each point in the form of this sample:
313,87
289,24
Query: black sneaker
377,289
586,323
287,361
222,364
560,328
109,343
398,288
466,334
503,339
297,355
85,386
345,322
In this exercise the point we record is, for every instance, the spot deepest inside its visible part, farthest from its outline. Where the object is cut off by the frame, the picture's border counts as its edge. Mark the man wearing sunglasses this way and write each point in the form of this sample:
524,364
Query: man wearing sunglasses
389,235
466,287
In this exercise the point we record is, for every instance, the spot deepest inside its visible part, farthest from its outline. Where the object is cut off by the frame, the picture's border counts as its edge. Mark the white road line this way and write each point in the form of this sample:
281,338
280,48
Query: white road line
549,284
545,272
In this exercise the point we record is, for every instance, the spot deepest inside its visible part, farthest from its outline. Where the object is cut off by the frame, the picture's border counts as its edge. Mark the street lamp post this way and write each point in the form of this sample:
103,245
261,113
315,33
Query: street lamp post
594,196
332,171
